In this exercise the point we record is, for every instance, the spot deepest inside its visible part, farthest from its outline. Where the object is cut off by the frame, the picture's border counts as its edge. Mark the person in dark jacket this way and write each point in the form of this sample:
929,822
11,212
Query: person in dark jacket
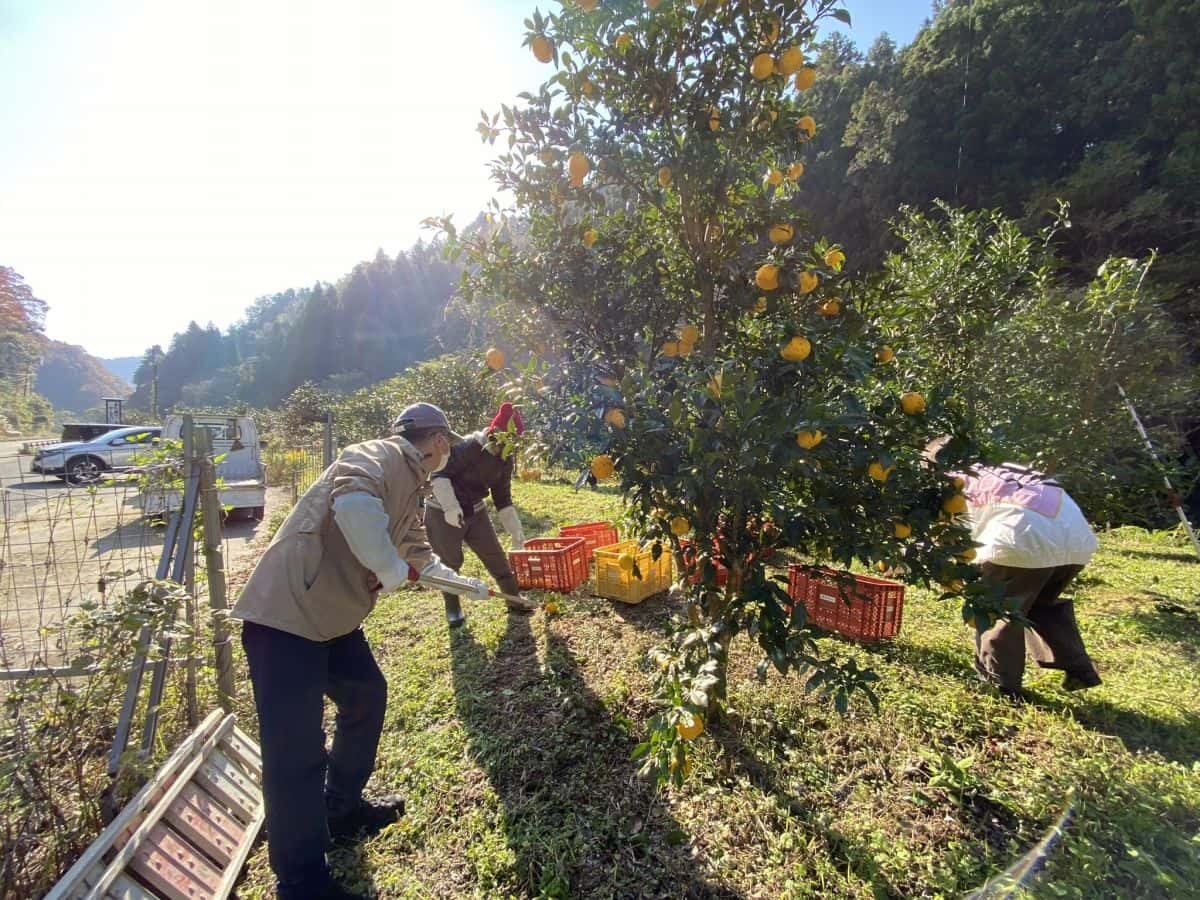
481,464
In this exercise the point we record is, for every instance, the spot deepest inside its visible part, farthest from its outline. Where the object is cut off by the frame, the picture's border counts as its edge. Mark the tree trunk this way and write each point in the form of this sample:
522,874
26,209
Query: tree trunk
709,302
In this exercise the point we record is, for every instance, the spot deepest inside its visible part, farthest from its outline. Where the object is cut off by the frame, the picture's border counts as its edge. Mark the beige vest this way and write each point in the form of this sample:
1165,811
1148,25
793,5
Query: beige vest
308,581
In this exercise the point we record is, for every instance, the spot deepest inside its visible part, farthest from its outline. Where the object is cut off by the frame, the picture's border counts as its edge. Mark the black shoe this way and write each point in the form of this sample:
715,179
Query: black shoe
369,817
1073,682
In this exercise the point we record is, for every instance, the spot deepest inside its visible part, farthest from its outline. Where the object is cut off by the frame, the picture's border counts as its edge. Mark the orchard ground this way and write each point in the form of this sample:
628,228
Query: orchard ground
511,740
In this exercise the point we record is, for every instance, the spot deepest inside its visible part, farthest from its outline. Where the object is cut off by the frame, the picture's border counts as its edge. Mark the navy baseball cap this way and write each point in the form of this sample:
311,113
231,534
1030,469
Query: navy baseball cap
423,415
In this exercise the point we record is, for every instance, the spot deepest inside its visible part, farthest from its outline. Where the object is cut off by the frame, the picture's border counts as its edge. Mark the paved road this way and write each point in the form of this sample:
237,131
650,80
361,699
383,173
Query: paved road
56,540
14,468
26,491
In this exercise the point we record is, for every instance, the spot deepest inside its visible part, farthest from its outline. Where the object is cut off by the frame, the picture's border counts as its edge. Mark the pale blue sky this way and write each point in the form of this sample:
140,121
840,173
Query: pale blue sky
162,161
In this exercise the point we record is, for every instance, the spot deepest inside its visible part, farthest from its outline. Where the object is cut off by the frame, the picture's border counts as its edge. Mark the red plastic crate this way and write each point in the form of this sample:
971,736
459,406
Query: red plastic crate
594,534
874,610
550,564
685,550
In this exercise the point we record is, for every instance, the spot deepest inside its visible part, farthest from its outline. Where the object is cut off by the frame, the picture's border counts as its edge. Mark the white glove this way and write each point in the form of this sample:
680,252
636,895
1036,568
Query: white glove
450,581
364,524
478,589
443,492
512,524
438,569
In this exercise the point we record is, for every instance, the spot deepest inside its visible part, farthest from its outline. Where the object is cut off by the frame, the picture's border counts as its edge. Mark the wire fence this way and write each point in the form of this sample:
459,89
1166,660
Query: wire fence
295,468
78,585
60,546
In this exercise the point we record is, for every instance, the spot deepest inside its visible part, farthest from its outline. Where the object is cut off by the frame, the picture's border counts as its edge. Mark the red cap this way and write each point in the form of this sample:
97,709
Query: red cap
504,416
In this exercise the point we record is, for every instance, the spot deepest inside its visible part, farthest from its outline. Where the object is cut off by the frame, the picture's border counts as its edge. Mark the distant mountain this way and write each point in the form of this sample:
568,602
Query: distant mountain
72,379
122,366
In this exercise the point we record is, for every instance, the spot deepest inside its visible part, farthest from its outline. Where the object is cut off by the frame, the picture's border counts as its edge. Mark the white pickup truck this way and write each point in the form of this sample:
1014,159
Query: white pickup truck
241,475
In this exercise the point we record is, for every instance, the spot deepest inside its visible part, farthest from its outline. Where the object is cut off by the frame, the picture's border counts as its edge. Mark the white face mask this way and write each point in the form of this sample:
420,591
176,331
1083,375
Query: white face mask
442,459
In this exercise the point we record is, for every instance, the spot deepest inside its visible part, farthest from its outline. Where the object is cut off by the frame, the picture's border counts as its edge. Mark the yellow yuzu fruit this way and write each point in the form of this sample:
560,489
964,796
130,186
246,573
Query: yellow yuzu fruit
577,168
912,403
878,472
954,505
543,50
790,61
762,66
781,233
603,467
767,277
806,439
689,732
797,349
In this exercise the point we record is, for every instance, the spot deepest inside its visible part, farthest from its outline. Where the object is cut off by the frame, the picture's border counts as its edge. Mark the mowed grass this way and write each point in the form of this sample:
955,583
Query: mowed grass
511,740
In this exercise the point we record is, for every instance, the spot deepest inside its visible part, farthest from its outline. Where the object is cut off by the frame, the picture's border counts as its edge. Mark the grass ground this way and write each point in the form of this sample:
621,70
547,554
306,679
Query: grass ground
511,740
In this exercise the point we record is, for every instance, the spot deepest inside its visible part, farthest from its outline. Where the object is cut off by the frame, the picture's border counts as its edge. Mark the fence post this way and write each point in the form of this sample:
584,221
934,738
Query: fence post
192,704
189,442
189,575
327,447
210,504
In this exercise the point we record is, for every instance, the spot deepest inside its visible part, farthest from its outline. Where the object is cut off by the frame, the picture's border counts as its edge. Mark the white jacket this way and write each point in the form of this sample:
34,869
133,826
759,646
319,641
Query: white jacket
1024,520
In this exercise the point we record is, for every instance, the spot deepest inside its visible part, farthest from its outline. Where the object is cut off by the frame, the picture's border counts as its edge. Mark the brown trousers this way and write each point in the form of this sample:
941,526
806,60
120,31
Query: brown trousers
1054,641
478,534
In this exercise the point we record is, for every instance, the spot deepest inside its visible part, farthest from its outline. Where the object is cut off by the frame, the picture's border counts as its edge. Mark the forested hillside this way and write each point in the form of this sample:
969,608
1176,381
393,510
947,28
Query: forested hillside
22,317
74,380
1013,104
381,317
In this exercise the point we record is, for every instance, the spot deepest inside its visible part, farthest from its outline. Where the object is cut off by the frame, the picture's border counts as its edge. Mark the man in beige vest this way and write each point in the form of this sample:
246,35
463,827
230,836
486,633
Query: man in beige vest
356,532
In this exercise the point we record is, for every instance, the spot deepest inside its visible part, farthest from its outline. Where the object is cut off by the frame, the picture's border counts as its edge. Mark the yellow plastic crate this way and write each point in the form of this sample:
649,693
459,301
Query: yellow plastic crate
614,584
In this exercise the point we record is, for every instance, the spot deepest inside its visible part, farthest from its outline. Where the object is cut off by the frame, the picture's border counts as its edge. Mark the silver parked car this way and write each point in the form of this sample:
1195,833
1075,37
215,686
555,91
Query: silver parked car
84,462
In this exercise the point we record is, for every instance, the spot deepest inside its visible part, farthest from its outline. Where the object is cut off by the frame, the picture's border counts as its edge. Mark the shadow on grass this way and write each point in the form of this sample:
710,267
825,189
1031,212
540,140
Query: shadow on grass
1181,556
846,854
578,819
1177,740
348,861
652,614
927,659
1171,622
